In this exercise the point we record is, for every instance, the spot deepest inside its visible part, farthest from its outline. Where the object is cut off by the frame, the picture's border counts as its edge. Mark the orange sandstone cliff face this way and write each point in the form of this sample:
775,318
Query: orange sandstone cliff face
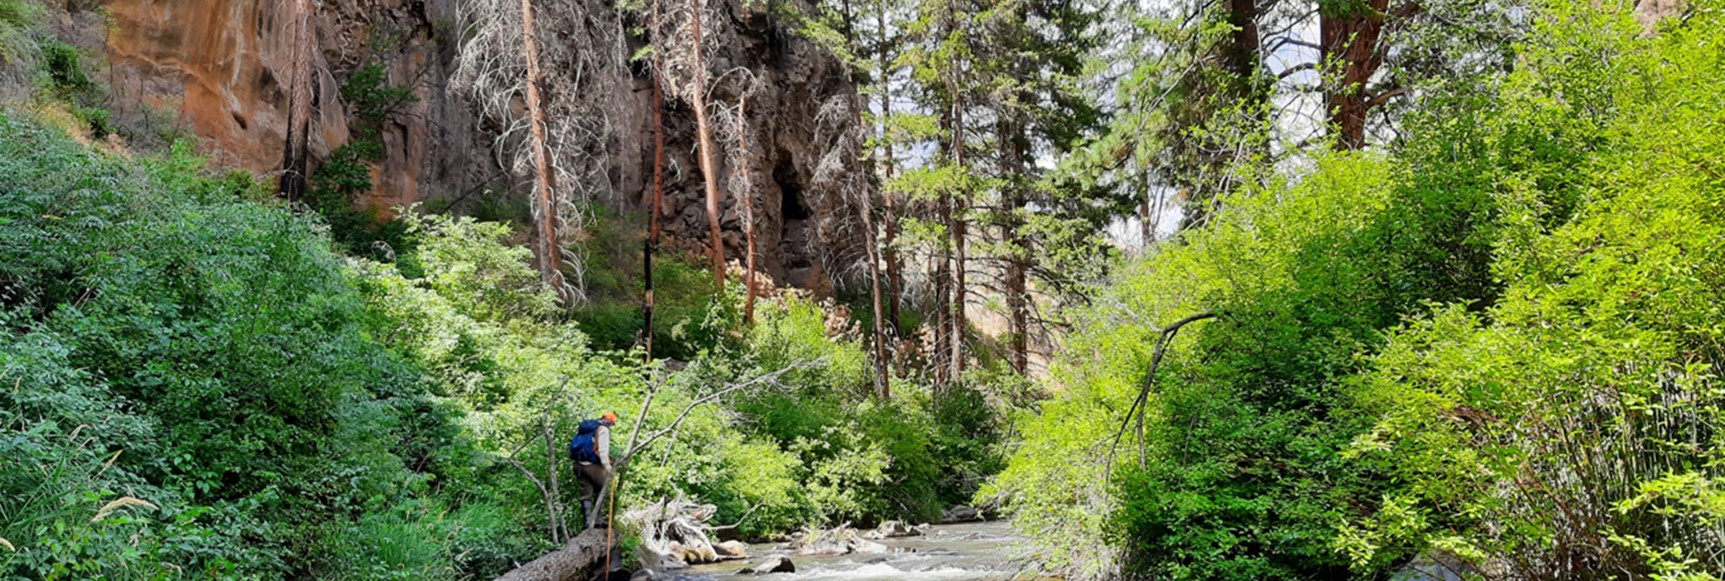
223,66
220,68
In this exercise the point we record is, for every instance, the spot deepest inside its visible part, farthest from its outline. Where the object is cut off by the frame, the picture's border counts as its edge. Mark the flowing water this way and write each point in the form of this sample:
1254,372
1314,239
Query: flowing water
986,551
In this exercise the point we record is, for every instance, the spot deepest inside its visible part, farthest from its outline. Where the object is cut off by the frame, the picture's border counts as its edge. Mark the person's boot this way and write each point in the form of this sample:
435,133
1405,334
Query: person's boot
586,508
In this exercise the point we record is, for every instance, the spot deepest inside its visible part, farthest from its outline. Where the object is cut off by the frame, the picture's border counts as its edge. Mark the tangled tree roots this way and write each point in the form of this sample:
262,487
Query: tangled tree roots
676,534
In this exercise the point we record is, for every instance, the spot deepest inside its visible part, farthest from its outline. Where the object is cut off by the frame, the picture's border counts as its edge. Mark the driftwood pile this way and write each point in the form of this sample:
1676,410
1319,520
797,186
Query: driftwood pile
675,535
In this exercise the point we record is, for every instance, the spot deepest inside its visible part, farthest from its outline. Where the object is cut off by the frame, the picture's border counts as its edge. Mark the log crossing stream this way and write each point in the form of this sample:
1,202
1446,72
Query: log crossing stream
955,552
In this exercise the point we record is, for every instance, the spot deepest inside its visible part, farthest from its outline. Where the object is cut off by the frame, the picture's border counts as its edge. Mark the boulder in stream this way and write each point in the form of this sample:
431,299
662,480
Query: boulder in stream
893,529
867,547
824,543
779,564
732,550
842,541
960,513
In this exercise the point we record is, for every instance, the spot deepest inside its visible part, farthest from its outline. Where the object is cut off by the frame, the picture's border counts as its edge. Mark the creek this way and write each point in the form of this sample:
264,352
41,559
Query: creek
978,551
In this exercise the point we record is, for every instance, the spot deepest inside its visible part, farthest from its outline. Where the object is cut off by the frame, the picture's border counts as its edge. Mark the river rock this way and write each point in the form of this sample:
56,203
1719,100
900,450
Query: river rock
780,564
1435,565
732,550
893,529
960,513
823,547
824,543
693,553
866,547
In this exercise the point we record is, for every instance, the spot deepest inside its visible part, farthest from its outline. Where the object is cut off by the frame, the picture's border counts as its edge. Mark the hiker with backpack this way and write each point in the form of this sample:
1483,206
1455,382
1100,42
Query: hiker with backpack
590,450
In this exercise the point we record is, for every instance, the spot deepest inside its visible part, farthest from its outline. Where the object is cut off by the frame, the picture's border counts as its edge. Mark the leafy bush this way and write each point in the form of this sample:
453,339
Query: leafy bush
1239,476
246,407
263,407
1545,414
1571,431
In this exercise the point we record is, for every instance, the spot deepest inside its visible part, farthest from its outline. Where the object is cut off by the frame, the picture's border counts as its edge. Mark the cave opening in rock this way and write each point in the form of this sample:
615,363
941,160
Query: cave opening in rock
795,243
791,204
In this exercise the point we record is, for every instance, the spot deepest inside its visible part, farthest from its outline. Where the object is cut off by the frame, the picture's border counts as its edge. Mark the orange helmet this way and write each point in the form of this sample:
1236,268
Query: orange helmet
609,417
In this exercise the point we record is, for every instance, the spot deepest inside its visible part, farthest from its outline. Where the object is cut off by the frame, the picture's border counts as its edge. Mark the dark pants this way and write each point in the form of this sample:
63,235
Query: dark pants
592,478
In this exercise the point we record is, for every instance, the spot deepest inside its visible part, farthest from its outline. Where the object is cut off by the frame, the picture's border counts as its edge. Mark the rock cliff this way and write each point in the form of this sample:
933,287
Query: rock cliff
221,67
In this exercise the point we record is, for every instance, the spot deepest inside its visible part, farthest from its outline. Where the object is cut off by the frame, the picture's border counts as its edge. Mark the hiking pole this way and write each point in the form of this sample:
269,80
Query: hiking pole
610,523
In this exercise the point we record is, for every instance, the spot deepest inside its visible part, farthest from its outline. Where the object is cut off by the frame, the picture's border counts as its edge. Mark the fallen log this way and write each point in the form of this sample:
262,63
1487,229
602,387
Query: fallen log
578,560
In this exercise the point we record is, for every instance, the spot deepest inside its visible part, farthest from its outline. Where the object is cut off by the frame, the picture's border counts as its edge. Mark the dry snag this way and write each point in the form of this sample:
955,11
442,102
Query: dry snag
295,162
745,190
548,106
704,131
1164,338
544,203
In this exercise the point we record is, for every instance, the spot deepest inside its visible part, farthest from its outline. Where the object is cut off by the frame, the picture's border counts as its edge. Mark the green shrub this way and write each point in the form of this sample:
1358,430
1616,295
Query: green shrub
18,49
228,330
1572,429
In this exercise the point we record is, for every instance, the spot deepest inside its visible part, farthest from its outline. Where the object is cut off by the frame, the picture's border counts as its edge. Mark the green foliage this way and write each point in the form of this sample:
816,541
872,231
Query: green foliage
221,375
1240,478
262,406
689,315
67,81
17,47
866,459
65,68
1592,385
1547,411
339,182
373,101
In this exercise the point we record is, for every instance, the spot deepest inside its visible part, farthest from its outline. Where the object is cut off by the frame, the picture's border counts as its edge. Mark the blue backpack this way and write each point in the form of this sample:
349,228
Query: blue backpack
584,447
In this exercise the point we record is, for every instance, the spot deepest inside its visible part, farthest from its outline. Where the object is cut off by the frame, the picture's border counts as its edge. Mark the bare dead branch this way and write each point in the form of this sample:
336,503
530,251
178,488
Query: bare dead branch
1165,337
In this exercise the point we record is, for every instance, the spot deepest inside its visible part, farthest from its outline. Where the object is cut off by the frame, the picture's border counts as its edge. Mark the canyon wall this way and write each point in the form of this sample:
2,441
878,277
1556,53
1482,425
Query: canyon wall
220,69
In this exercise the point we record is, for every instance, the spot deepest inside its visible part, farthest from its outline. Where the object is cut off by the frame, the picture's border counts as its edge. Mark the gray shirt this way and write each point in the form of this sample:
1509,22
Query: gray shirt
602,445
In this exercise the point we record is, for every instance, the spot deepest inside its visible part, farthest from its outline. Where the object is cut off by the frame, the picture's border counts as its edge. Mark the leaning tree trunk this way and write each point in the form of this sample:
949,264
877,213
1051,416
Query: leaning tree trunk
295,162
883,377
550,252
705,135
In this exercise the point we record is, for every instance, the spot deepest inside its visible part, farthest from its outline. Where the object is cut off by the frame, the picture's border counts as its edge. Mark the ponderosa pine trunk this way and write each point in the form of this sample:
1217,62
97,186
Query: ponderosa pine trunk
704,133
1349,35
656,204
545,202
889,252
295,158
1242,54
883,375
955,227
941,295
1018,247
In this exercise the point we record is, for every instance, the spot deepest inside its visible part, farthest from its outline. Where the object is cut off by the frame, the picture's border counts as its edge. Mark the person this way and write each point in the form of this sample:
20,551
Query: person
590,450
